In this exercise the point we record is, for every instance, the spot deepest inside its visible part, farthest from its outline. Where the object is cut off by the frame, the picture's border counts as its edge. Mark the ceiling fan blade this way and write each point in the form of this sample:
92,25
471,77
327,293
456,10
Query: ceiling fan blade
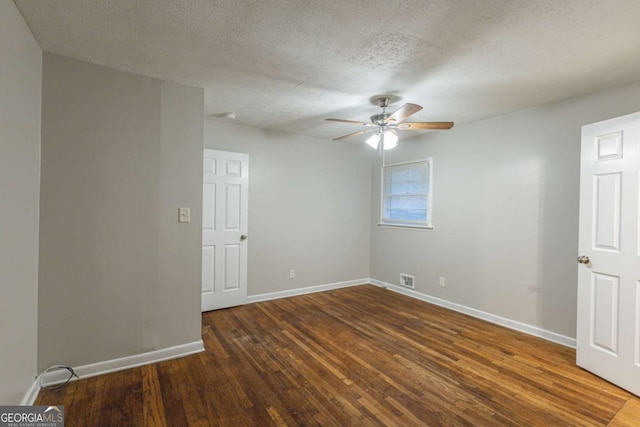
348,121
360,132
425,125
404,112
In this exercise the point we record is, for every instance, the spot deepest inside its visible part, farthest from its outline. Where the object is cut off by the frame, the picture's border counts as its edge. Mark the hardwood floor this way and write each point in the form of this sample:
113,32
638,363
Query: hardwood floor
352,357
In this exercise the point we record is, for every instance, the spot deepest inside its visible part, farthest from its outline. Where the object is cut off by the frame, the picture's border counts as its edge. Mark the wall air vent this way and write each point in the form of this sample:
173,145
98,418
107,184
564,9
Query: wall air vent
407,281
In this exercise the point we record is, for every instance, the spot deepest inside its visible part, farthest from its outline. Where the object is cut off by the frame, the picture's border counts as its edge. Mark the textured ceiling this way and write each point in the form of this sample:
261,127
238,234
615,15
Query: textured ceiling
288,64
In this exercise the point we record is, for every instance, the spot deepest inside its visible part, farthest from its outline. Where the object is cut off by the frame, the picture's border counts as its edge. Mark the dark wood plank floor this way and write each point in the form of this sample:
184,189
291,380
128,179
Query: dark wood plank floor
352,357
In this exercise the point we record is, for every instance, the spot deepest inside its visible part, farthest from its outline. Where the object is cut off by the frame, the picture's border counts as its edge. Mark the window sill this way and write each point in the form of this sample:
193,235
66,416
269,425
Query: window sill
406,226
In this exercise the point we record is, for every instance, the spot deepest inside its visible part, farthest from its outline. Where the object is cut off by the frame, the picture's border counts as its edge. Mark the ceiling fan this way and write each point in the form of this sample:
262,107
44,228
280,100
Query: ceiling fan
385,124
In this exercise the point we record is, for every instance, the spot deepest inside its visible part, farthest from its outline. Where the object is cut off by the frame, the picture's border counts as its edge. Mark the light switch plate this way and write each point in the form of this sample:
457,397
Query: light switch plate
184,214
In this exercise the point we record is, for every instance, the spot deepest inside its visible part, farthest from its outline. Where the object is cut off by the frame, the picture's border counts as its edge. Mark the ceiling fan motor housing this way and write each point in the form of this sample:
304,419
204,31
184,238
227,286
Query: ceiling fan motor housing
380,119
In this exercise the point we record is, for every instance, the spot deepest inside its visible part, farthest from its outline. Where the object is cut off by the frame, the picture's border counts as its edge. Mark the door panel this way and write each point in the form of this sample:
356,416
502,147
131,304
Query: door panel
607,211
604,312
208,263
233,207
208,206
225,221
232,267
608,330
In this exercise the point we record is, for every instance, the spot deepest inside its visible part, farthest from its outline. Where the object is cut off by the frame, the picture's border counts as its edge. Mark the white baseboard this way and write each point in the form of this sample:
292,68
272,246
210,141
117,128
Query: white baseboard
307,290
114,365
31,395
498,320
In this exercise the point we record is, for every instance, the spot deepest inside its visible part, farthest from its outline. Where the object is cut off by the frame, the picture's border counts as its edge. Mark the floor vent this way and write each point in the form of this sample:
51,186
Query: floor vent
407,281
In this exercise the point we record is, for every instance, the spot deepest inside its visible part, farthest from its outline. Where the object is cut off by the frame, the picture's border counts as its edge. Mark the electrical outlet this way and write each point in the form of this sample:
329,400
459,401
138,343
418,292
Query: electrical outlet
442,282
292,273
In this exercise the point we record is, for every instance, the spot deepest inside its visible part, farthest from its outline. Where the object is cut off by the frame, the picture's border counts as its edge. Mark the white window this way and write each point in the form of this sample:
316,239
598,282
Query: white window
406,194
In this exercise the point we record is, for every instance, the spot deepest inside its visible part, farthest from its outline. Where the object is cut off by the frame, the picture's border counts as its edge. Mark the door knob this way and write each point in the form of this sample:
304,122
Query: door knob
583,259
243,237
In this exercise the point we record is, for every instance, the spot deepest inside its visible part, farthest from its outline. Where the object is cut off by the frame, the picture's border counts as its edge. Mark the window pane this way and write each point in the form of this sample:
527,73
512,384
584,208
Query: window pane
408,174
408,179
405,215
407,202
410,187
405,193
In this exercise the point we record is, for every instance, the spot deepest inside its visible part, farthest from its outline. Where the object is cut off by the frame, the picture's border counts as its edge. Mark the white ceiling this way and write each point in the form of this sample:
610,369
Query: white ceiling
288,64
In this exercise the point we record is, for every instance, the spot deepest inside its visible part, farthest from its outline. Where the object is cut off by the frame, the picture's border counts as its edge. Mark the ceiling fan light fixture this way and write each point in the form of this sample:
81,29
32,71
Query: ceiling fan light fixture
373,141
390,140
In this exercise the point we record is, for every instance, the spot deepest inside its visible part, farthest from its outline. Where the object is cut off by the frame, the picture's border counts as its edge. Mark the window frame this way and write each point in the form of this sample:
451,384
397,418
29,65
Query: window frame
408,224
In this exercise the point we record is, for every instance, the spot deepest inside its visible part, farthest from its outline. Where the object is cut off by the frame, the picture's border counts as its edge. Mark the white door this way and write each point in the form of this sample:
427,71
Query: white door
608,334
224,229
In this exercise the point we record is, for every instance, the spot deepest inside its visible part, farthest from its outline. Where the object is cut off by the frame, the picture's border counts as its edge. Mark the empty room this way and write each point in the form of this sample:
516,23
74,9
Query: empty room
296,213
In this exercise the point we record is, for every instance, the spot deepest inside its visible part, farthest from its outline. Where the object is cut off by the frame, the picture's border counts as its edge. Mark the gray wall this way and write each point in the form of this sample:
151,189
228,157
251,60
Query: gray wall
120,153
505,212
309,206
20,90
